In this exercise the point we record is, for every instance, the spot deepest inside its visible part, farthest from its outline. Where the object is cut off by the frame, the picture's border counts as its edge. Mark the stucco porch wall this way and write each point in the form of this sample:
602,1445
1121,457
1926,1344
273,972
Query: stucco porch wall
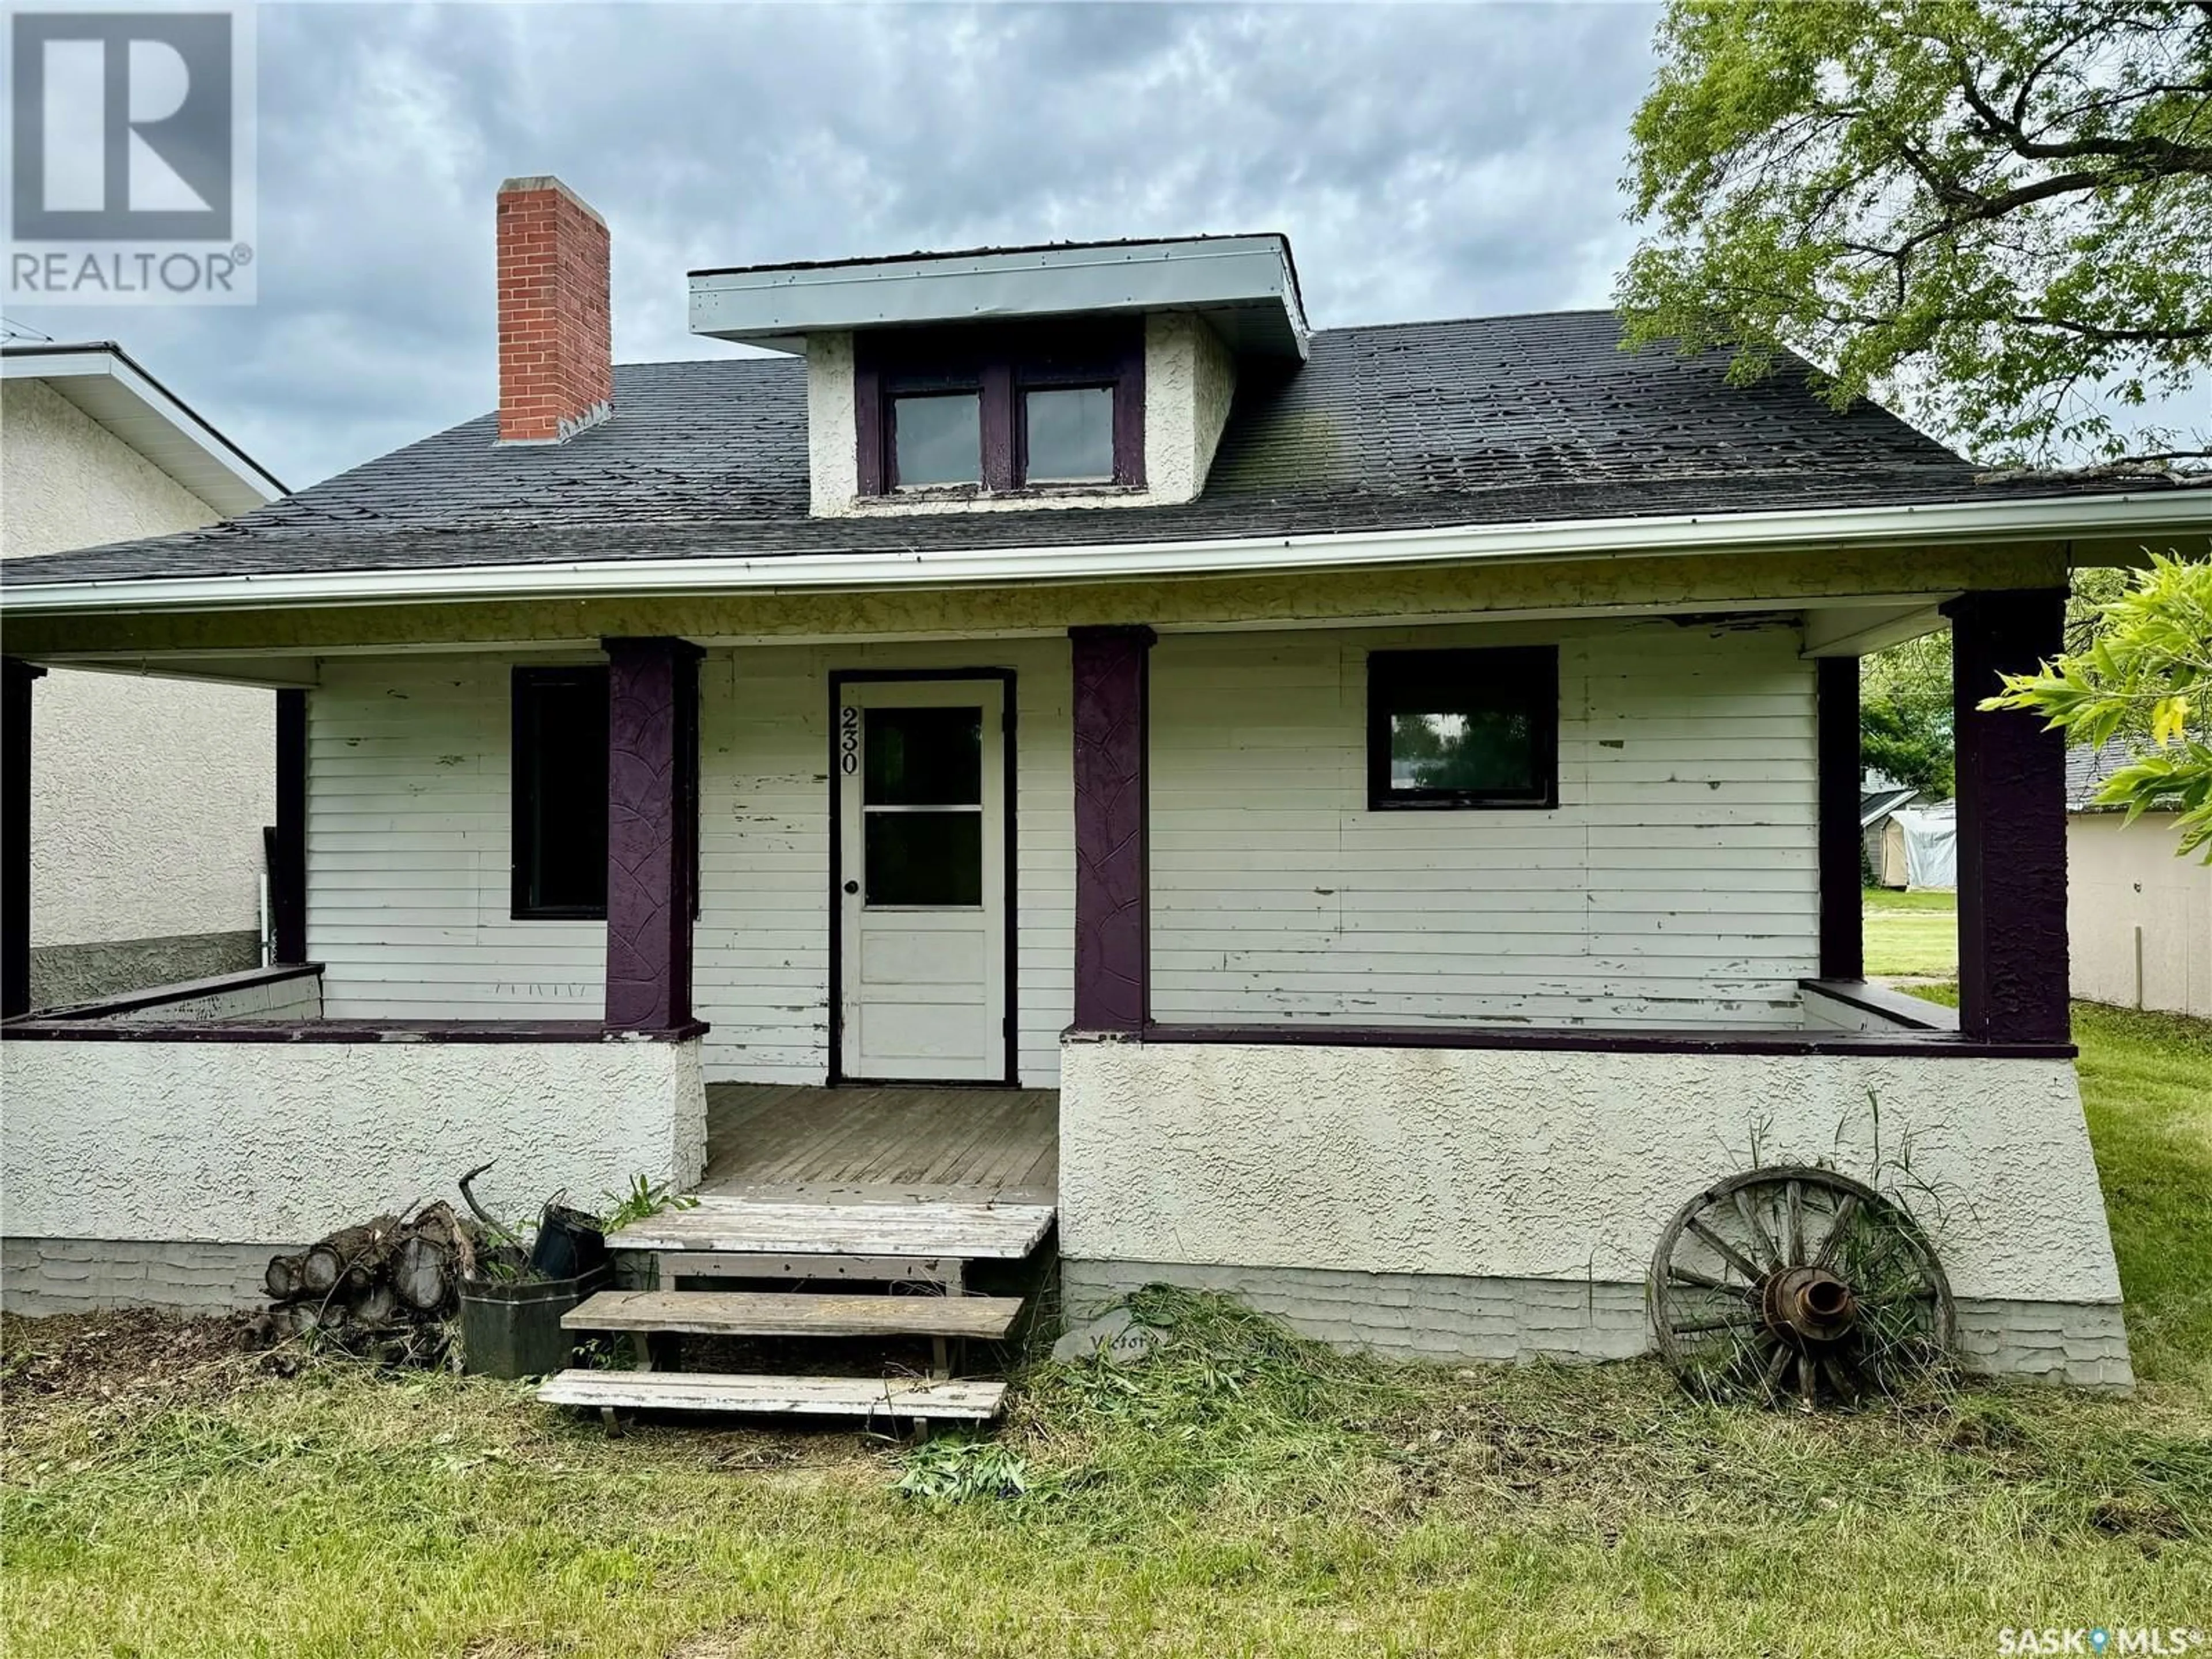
217,1141
1503,1164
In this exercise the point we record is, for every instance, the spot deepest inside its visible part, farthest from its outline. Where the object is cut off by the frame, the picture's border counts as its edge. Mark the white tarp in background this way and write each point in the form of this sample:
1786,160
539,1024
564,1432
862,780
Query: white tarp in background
1931,845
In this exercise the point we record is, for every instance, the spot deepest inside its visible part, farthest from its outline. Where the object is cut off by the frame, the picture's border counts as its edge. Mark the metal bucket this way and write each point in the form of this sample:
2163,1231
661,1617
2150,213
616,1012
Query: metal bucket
512,1328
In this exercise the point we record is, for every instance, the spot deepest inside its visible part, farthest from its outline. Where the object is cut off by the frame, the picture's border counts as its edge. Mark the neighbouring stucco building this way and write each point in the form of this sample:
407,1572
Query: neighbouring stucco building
150,795
2139,920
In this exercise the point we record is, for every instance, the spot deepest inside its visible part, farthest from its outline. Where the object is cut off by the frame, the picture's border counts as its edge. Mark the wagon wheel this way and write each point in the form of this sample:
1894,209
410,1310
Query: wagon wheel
1797,1285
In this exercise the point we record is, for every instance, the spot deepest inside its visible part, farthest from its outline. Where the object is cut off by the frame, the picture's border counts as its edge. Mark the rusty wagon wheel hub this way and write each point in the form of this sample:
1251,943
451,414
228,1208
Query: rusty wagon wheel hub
1797,1284
1806,1304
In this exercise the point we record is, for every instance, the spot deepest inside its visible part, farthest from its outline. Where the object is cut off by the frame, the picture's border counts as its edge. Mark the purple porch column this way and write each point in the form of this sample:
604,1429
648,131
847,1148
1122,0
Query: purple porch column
653,688
2012,823
287,873
1843,947
16,834
1112,956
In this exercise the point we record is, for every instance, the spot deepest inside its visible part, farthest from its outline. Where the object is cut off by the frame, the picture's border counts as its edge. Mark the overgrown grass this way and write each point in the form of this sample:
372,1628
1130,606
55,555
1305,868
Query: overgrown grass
1237,1492
1910,934
1915,898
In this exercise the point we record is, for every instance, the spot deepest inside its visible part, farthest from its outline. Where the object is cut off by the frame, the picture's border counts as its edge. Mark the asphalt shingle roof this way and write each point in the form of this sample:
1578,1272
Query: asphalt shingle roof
1488,421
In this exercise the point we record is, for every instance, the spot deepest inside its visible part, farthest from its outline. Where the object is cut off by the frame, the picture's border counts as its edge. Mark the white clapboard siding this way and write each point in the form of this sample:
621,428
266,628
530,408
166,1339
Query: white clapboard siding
1674,884
408,876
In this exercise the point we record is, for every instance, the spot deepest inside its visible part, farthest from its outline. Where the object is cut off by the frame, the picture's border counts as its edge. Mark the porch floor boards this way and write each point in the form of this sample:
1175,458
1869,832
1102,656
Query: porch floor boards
899,1145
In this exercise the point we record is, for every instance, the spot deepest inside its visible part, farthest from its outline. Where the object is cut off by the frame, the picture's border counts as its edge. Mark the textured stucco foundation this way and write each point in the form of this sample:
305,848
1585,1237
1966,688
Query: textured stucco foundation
214,1142
64,973
41,1276
1562,1168
1445,1317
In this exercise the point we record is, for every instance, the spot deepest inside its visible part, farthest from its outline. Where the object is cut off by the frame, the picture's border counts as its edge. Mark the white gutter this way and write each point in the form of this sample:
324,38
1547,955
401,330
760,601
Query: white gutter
2114,517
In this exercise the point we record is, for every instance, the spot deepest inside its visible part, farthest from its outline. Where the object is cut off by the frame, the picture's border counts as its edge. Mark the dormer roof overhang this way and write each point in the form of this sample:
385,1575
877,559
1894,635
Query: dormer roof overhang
1246,287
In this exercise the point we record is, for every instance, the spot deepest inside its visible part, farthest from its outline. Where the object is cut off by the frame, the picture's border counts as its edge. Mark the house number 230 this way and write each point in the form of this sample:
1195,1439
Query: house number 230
848,741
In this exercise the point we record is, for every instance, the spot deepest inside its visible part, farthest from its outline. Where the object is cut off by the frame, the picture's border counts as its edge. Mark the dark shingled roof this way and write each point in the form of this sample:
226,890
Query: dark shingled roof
1490,420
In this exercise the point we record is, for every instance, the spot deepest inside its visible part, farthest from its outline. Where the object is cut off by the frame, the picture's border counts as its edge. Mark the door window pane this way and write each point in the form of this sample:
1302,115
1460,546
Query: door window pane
924,757
1070,436
924,857
937,438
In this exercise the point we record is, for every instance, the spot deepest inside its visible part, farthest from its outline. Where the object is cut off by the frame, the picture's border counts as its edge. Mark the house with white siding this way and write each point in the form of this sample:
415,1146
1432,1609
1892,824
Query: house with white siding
1059,752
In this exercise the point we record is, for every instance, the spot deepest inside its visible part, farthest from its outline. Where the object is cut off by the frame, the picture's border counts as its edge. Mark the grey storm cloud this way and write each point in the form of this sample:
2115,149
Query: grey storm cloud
1426,160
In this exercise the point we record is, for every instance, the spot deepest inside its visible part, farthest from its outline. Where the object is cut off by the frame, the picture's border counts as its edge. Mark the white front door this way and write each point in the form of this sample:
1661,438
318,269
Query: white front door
921,827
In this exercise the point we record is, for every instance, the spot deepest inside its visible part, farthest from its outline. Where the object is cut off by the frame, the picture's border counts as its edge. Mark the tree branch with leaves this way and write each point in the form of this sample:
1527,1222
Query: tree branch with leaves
2149,669
1992,213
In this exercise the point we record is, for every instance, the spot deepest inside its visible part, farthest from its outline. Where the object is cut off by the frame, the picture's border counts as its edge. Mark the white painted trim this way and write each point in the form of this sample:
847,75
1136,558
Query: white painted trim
104,382
2057,519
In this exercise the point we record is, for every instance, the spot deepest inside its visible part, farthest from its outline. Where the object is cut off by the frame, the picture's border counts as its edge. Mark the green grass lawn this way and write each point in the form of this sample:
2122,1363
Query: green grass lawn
1914,935
1238,1494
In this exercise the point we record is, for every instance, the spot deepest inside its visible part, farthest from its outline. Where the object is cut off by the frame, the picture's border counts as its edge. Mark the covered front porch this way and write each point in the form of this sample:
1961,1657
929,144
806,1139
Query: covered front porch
871,1144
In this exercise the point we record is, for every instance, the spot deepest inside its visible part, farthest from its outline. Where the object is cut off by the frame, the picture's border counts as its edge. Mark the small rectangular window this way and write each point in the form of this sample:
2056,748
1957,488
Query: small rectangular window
560,793
937,438
1463,728
1067,436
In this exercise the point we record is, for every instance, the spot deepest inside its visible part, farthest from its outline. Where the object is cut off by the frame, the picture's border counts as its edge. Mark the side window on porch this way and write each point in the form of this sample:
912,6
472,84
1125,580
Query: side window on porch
1463,728
560,785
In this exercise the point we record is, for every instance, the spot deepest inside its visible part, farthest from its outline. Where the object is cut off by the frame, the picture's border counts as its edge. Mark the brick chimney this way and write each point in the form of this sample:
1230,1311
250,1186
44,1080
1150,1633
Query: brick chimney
555,336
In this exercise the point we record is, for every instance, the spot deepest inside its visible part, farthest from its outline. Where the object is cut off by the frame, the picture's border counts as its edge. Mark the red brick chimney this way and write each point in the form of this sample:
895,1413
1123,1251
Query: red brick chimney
555,336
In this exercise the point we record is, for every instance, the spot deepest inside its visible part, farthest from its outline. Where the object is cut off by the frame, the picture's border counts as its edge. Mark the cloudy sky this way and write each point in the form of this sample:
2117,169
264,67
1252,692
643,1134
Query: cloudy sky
1426,160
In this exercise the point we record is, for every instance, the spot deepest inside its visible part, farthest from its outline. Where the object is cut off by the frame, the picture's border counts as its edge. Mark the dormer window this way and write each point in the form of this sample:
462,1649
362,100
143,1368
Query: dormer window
1042,407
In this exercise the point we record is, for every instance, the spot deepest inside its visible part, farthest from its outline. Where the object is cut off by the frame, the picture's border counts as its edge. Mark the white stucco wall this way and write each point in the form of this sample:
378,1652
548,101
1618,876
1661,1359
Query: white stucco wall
1190,378
244,1141
148,797
1522,1164
2138,920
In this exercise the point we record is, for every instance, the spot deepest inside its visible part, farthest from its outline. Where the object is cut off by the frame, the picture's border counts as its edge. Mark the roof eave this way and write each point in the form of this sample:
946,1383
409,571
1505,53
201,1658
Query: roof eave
2070,519
112,388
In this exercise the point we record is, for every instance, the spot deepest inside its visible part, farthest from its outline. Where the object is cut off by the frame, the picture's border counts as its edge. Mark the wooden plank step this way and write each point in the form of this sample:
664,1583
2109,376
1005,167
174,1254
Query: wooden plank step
812,1396
791,1313
968,1232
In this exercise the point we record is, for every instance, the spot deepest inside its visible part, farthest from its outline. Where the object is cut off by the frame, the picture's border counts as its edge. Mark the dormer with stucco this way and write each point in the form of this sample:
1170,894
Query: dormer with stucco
1081,374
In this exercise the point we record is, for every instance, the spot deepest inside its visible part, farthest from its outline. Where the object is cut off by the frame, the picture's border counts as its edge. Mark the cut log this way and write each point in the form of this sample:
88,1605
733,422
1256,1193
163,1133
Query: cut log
319,1269
373,1308
422,1273
334,1257
282,1278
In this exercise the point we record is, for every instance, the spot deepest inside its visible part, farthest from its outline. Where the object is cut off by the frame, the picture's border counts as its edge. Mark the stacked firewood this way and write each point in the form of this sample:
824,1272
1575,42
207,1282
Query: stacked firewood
388,1286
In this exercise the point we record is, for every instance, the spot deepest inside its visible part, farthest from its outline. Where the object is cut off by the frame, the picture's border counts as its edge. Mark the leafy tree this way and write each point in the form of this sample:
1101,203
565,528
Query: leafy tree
1993,212
1905,714
2149,666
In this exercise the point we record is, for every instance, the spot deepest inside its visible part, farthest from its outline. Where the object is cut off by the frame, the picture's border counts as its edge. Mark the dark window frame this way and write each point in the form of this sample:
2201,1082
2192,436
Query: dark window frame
522,835
998,364
1528,675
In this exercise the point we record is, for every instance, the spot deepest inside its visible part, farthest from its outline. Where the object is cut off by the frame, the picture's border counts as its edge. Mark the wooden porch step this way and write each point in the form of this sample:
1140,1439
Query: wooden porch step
812,1396
741,1226
786,1313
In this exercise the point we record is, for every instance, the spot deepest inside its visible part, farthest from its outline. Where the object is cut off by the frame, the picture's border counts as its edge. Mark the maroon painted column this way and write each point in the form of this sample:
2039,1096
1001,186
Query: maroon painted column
653,727
288,864
2012,823
1843,944
16,834
1112,952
